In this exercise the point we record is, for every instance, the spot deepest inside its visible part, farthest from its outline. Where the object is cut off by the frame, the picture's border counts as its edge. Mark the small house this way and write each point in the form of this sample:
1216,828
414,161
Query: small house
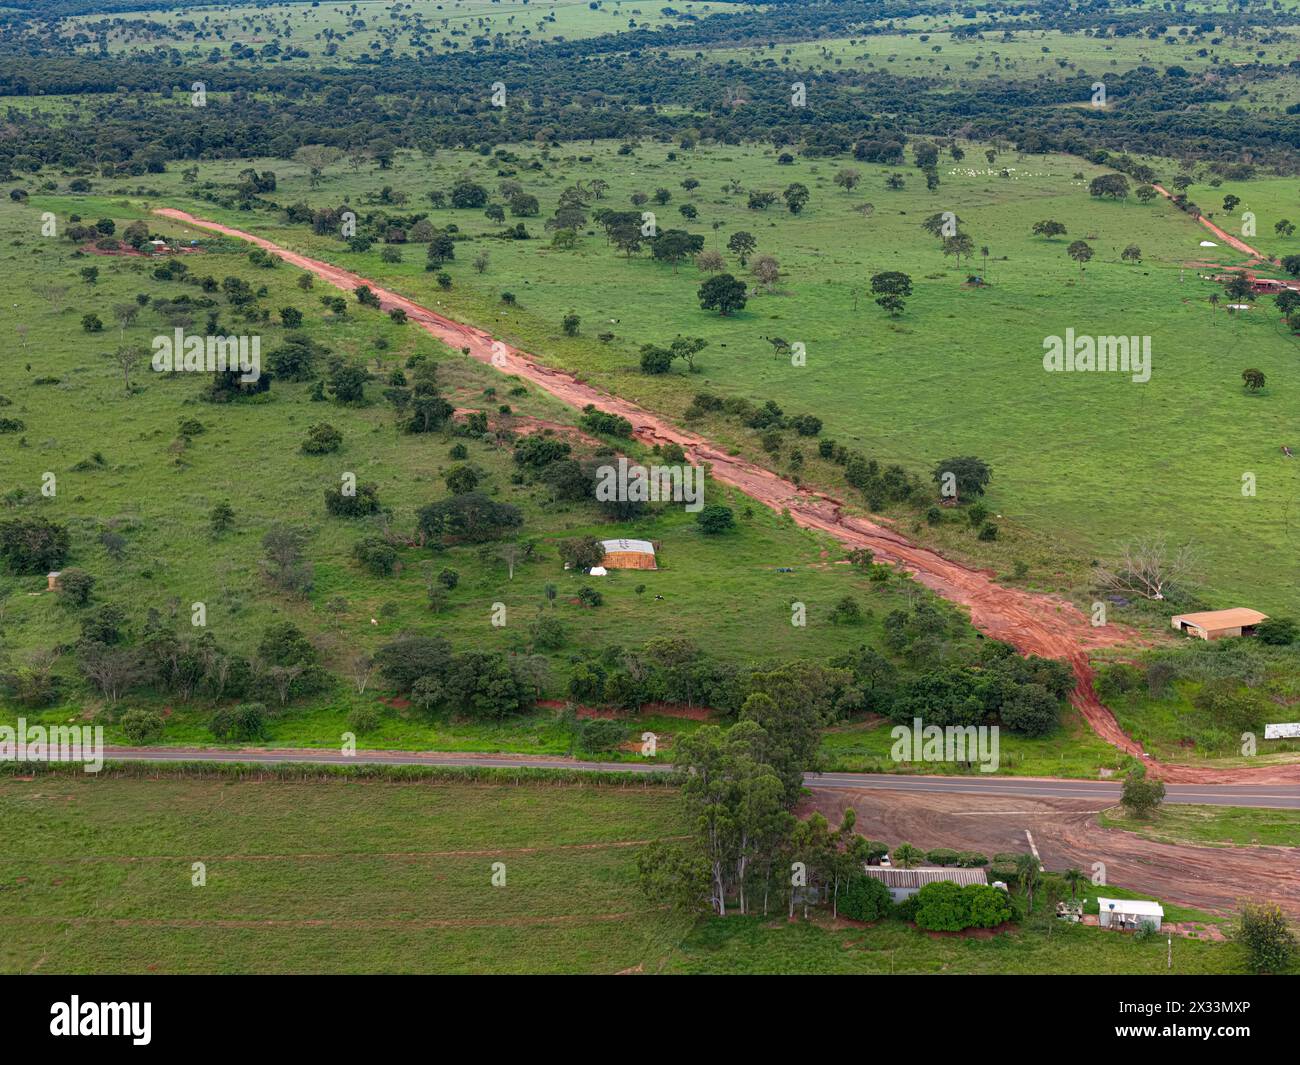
628,554
903,883
1129,915
1218,624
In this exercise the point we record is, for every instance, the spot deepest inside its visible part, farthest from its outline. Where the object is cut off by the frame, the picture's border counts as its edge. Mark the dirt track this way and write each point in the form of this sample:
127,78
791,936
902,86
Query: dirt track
1033,623
1066,834
1227,238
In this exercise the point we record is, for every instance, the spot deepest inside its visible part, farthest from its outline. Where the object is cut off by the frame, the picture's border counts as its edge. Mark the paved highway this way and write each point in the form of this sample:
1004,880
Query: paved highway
1278,797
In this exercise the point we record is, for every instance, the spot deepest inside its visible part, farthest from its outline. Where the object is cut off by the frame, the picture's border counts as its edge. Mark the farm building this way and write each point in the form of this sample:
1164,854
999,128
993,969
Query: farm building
1217,624
903,883
1129,915
628,554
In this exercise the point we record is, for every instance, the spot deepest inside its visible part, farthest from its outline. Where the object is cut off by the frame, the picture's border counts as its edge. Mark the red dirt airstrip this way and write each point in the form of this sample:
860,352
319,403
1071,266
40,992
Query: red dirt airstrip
1033,623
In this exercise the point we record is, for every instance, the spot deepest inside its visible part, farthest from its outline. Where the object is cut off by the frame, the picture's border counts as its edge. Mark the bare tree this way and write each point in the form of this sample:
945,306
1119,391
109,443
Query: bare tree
1146,567
113,670
362,668
127,357
126,314
512,554
282,677
53,294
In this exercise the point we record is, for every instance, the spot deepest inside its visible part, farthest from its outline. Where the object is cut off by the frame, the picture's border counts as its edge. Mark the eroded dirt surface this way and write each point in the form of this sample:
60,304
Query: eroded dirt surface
1033,623
1066,833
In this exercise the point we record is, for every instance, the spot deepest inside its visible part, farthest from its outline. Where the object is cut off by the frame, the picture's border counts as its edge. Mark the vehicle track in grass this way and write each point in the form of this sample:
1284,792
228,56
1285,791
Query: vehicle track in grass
1031,622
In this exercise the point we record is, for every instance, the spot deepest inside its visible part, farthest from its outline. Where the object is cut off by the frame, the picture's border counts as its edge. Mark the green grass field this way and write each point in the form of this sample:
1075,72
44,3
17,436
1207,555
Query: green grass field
387,877
157,491
1213,825
363,877
370,28
1083,462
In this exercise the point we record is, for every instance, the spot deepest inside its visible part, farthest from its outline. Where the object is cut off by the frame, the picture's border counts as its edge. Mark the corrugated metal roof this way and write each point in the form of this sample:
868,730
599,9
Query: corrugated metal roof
643,547
915,878
1223,619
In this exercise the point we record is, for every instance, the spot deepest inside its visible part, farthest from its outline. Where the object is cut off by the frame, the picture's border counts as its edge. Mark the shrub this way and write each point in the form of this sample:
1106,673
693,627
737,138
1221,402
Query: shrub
142,727
33,545
247,721
409,658
599,734
75,586
1278,631
588,596
547,633
715,519
322,439
847,611
1116,680
363,719
942,856
947,907
377,555
1264,932
365,500
863,898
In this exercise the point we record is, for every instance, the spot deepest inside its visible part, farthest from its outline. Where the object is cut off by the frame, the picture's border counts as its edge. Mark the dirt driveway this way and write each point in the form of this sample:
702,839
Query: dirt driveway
1066,833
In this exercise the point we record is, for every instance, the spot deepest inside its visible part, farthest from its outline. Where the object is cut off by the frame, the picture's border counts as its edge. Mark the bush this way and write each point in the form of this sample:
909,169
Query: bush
363,719
1278,631
1031,710
322,439
247,721
947,907
547,633
33,545
1119,679
75,586
863,898
715,519
942,856
1265,934
599,734
377,555
365,500
142,727
588,596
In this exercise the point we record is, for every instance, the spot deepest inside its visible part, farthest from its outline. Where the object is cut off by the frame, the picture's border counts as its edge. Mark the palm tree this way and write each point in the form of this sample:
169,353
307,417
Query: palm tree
1074,878
1027,872
906,856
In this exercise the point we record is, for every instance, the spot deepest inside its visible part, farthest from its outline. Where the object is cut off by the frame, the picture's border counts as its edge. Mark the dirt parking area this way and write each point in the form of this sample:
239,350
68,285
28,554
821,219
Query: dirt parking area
1066,834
